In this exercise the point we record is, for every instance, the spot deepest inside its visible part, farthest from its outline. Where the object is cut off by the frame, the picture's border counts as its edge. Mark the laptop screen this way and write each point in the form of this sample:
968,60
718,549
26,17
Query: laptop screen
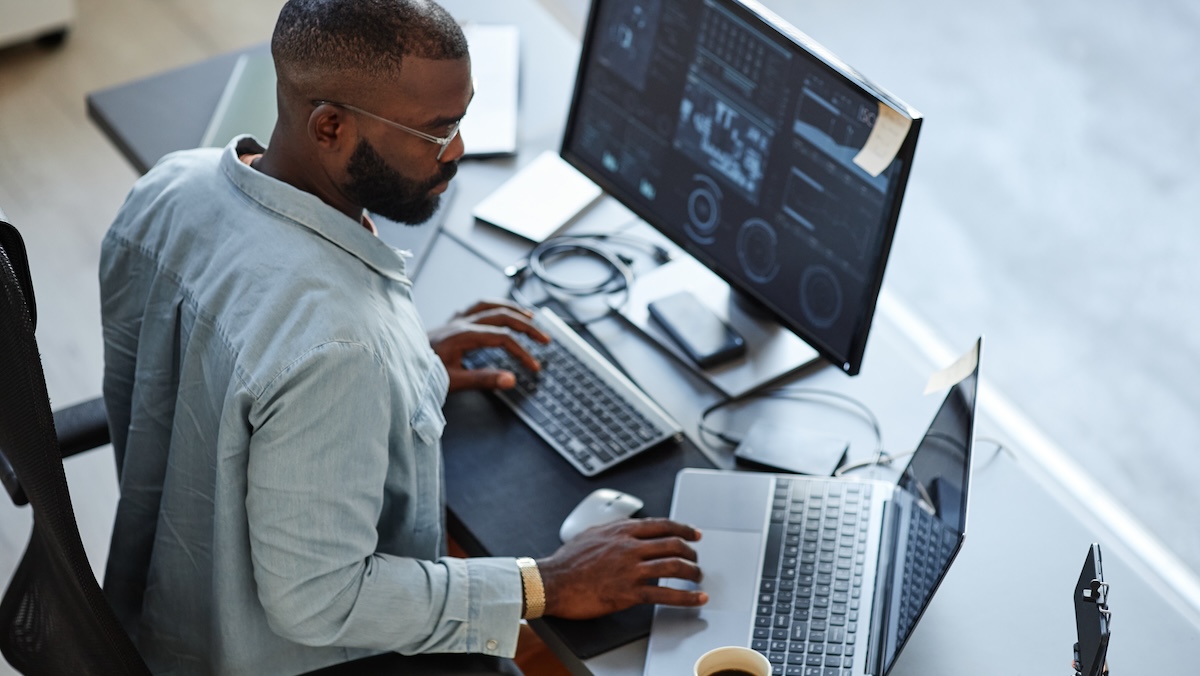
931,517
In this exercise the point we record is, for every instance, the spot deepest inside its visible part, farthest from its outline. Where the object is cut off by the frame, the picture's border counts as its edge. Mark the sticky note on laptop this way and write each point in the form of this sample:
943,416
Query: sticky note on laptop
540,200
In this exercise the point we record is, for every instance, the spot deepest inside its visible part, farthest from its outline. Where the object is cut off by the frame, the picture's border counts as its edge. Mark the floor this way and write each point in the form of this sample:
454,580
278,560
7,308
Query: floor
1048,209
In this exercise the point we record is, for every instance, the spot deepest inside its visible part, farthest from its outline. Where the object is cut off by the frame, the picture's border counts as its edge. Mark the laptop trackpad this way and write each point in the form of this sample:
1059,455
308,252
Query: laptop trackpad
726,500
730,561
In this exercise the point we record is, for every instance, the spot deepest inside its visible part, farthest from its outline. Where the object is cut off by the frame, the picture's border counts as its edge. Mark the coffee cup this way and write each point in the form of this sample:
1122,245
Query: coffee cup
732,661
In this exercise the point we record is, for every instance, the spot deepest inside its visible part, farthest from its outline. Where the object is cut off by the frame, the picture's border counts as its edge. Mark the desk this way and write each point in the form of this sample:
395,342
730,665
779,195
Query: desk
1005,606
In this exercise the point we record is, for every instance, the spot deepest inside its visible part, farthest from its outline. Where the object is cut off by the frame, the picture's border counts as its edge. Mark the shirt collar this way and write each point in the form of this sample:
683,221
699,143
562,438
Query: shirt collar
309,211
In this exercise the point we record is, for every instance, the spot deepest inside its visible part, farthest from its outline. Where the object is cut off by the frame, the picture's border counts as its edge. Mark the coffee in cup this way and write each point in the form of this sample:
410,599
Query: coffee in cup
732,661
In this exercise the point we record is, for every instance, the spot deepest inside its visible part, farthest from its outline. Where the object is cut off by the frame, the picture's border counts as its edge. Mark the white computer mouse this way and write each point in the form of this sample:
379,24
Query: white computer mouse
601,506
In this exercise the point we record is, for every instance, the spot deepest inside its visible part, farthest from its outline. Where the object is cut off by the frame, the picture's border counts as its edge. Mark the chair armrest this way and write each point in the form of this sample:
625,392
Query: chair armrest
9,478
81,427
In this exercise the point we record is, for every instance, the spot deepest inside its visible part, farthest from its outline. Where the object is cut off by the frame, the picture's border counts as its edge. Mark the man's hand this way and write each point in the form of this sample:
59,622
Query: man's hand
486,324
613,567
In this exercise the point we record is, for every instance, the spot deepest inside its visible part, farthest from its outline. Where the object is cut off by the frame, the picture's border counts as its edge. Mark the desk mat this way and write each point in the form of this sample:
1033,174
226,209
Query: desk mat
508,492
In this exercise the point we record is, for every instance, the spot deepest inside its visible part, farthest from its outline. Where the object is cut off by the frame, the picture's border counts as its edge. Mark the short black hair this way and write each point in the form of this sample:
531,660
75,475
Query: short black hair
361,38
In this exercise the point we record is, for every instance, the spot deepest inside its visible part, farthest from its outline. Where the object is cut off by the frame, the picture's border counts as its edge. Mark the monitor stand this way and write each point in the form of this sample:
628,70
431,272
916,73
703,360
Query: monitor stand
772,351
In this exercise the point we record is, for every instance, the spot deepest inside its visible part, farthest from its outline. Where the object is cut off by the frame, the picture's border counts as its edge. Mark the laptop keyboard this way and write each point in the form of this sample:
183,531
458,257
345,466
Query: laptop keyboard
930,545
578,402
811,583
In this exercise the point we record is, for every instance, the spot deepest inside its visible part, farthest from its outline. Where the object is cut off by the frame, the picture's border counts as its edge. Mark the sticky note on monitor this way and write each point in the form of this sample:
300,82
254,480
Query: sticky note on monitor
540,200
888,134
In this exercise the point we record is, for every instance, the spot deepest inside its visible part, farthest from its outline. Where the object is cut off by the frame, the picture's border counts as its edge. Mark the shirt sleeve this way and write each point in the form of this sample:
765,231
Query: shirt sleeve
315,492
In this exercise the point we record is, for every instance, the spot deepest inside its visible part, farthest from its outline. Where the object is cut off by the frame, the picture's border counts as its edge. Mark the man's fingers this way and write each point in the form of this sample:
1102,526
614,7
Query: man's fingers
482,379
492,336
662,548
671,597
673,567
496,303
652,528
507,318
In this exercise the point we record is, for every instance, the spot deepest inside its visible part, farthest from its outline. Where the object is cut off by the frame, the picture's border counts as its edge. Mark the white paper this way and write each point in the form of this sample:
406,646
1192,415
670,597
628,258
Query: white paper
540,199
490,127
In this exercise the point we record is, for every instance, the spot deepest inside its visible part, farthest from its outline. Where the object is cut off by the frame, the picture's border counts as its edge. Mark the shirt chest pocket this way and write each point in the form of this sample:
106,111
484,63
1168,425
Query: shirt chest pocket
428,421
425,481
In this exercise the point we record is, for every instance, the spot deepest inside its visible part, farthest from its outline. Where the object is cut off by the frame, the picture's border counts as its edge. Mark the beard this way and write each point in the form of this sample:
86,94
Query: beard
384,191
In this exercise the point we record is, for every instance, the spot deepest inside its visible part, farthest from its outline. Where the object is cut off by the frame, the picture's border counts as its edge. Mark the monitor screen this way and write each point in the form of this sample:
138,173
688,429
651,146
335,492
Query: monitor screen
752,148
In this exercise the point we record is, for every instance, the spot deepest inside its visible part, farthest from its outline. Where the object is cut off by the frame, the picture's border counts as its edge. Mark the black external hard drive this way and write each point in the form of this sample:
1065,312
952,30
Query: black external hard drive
792,449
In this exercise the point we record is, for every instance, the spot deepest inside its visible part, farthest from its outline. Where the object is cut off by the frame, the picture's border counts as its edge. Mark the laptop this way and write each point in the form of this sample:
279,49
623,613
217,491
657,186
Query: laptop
824,576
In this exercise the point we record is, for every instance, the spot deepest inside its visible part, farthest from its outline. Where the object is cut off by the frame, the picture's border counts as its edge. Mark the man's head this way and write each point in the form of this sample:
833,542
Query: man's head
364,87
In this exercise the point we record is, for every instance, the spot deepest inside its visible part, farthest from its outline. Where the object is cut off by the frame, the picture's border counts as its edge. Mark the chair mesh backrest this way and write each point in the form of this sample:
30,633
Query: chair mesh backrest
53,618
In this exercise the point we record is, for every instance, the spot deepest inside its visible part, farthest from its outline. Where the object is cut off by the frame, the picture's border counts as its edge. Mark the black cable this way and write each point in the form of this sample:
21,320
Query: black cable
619,280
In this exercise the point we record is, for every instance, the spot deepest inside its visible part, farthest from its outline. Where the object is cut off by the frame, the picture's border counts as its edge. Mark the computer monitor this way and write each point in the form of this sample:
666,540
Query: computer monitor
754,149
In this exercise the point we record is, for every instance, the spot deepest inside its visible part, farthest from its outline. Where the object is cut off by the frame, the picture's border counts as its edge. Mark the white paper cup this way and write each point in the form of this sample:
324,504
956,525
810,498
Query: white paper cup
732,657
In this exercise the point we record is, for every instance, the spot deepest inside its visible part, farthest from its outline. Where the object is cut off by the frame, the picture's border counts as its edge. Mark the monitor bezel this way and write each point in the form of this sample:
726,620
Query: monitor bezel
851,362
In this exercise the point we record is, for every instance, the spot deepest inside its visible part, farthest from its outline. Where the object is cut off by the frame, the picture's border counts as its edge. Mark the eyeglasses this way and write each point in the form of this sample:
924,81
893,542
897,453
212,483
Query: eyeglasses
443,141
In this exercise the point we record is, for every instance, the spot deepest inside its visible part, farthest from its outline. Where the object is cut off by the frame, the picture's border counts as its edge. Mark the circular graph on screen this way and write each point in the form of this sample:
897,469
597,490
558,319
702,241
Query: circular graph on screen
704,210
820,296
757,250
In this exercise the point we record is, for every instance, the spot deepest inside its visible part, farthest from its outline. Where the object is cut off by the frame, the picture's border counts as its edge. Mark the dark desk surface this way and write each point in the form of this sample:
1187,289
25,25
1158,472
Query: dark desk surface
1005,606
149,118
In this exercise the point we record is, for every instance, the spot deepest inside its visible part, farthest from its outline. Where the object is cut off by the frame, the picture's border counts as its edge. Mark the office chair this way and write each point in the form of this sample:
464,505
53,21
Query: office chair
54,618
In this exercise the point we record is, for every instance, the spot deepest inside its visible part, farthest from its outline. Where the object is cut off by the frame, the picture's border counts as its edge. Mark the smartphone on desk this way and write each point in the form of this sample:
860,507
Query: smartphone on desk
706,338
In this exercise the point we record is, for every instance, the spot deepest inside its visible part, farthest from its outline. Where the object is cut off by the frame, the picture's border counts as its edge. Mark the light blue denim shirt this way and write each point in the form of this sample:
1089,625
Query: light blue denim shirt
276,414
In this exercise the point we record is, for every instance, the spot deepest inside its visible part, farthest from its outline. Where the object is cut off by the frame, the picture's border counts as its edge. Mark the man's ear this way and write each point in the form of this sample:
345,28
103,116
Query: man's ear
331,128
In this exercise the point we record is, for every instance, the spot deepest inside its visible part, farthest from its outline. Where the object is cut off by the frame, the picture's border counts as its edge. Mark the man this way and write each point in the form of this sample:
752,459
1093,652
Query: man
275,404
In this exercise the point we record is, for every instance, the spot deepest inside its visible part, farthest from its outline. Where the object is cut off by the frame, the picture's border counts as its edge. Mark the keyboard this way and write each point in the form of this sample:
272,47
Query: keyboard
811,583
579,403
930,546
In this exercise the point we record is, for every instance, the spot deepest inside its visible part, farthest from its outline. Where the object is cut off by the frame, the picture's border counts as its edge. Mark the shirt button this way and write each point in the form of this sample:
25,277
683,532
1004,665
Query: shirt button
492,644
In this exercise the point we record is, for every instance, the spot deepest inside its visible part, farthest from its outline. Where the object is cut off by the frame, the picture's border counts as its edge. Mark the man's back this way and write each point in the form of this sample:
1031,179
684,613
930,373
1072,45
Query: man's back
275,408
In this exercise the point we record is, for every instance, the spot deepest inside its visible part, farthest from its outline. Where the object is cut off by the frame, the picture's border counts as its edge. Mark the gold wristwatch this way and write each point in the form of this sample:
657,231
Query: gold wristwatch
535,593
